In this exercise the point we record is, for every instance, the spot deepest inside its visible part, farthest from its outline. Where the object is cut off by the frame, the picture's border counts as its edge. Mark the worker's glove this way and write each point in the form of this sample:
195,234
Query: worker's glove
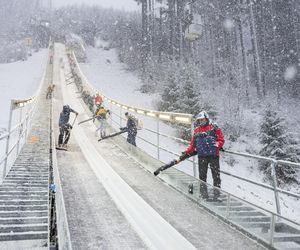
203,134
183,156
67,126
123,129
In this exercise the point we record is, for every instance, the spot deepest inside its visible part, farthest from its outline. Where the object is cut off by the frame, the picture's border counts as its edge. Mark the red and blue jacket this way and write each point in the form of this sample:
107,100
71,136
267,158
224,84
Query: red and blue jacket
207,141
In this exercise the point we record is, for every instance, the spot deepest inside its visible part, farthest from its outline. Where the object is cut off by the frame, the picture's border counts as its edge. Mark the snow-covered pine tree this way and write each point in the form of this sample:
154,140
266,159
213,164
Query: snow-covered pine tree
188,102
189,97
170,96
294,149
276,144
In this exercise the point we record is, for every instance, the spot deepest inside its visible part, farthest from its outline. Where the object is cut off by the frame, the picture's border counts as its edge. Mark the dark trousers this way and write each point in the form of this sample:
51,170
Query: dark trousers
131,138
64,135
214,163
49,95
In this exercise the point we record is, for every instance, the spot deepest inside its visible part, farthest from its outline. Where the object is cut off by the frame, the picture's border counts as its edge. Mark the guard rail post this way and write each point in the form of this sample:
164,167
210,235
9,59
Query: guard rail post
120,117
272,229
275,185
228,206
110,116
157,127
20,130
8,137
194,157
26,126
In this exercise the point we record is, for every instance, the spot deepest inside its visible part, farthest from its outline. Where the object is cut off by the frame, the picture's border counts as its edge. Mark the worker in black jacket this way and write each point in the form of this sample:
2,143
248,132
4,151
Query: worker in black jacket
131,128
65,126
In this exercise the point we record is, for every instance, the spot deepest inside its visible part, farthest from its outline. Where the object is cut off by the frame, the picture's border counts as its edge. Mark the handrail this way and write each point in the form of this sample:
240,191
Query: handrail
6,134
258,157
168,136
16,104
3,136
15,127
289,163
159,133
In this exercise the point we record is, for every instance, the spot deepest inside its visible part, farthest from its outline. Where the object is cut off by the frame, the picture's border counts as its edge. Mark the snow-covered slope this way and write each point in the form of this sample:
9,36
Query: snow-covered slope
19,80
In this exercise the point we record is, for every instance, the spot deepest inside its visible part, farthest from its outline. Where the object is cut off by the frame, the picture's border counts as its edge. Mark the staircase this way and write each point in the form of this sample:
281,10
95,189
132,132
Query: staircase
24,203
279,233
257,222
24,193
24,199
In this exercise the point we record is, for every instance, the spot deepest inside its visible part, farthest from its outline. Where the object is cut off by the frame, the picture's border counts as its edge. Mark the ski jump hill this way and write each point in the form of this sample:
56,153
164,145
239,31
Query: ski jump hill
103,195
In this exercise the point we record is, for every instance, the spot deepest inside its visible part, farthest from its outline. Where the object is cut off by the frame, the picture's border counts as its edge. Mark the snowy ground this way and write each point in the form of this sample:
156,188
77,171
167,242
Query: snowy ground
111,78
19,80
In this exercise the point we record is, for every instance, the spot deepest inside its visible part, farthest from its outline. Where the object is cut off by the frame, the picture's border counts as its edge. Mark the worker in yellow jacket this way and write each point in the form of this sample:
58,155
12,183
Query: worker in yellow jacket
101,114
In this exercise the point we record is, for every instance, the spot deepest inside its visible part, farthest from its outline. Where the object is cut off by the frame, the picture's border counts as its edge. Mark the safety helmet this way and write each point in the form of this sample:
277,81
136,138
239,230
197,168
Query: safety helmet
203,114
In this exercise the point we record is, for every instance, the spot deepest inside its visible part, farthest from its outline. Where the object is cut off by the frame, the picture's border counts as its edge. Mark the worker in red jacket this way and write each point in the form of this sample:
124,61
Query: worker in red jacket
98,100
207,142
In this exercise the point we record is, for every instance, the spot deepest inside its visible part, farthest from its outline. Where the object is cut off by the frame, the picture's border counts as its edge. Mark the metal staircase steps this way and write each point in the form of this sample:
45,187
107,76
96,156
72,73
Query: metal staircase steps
248,218
13,236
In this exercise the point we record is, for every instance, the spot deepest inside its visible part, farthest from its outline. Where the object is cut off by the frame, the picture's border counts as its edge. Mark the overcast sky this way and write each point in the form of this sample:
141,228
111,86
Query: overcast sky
117,4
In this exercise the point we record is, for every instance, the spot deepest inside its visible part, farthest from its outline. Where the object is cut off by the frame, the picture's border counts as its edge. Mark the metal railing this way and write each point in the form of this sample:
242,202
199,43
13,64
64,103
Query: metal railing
272,220
21,112
177,118
117,109
16,136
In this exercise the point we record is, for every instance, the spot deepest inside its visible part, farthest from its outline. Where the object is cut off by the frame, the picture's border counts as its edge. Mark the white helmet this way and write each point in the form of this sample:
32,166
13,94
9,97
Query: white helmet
202,114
